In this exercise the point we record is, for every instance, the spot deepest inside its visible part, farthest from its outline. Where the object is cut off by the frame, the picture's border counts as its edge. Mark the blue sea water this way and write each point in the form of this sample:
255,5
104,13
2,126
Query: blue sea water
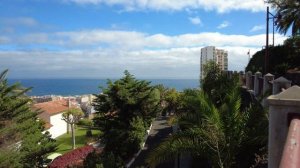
67,87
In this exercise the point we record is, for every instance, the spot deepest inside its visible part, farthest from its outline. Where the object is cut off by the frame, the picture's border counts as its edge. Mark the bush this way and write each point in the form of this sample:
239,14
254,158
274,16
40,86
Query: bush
89,133
85,122
73,158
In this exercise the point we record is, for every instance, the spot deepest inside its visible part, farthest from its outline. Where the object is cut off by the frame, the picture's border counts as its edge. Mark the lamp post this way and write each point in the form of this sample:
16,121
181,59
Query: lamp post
266,68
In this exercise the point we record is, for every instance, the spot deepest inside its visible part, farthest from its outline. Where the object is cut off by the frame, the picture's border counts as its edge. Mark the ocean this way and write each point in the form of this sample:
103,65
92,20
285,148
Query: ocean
71,87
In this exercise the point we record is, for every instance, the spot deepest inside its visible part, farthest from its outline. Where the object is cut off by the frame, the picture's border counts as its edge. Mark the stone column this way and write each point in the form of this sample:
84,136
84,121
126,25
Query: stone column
267,78
281,108
279,83
256,83
248,79
241,78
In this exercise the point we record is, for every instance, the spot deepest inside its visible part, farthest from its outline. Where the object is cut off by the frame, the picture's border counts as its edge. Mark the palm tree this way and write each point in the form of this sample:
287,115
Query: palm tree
288,15
215,134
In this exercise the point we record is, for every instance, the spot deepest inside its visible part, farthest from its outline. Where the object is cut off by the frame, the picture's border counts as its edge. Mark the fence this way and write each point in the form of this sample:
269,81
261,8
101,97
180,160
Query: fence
284,116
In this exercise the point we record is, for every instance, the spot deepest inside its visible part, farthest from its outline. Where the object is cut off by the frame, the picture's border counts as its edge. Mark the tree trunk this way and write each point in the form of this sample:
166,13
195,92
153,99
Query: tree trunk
68,128
73,136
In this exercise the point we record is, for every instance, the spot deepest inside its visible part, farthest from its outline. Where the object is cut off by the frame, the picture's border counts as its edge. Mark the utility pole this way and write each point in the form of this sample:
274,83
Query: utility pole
267,44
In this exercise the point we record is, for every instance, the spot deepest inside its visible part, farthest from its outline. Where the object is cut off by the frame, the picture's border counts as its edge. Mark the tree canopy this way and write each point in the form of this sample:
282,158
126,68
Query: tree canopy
22,143
287,15
124,110
282,58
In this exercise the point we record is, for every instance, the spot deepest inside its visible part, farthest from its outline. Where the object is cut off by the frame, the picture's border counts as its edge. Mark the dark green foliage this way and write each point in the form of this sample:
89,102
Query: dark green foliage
188,110
125,108
216,84
89,133
171,100
85,122
281,58
22,143
287,15
93,160
137,133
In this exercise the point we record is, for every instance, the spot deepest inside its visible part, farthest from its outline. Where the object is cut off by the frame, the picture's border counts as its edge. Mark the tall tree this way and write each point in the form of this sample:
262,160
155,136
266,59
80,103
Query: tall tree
215,83
22,143
125,108
287,15
171,99
71,117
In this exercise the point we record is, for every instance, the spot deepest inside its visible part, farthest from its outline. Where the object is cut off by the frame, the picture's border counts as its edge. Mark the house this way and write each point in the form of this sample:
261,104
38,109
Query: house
86,105
52,115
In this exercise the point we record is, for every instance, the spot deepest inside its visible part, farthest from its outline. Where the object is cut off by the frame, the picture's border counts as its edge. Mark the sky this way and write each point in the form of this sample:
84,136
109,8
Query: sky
153,39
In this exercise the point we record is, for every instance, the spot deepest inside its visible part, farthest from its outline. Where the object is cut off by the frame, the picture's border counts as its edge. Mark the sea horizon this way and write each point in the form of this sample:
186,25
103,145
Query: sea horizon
72,87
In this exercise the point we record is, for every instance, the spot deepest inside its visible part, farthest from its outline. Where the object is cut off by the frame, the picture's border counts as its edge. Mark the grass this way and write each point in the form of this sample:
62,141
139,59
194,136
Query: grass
65,141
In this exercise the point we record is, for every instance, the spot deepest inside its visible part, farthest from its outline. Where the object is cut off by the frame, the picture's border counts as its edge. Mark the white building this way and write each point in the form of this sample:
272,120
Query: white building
211,53
52,115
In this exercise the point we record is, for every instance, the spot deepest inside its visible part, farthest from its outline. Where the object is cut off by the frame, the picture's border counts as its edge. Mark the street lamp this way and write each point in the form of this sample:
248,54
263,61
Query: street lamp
266,68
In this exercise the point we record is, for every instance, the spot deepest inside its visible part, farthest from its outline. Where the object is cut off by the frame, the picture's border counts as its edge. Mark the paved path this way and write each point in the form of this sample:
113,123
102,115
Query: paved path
160,130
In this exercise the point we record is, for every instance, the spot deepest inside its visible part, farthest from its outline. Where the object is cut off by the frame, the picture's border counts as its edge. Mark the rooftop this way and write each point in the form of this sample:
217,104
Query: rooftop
54,107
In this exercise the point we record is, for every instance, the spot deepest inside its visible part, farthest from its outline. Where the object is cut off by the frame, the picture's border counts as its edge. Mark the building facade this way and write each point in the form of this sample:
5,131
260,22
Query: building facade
211,53
51,114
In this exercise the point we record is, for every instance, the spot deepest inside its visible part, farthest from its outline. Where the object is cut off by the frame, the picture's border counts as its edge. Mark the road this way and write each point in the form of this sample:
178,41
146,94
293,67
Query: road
160,130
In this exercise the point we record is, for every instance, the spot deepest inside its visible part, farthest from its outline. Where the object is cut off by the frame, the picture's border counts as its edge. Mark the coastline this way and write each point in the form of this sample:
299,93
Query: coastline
77,87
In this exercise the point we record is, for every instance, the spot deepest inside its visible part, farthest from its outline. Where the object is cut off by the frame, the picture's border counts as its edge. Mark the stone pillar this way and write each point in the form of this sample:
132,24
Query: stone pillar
281,107
241,78
280,83
267,78
248,79
256,83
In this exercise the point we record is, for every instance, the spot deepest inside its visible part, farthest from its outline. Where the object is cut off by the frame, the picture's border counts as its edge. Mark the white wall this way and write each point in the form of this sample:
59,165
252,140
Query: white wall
59,126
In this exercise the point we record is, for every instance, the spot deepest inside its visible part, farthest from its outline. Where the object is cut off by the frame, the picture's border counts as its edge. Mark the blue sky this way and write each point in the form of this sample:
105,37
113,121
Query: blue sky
102,38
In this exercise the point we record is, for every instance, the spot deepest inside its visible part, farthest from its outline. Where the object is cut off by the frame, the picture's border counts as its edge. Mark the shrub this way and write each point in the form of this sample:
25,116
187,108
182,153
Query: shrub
73,158
85,122
89,133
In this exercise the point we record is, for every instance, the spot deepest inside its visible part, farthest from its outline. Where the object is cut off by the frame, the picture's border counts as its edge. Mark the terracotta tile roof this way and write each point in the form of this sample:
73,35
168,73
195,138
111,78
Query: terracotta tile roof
53,107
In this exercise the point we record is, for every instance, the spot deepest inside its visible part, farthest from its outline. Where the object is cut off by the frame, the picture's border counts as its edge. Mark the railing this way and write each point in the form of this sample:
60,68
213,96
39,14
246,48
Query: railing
284,102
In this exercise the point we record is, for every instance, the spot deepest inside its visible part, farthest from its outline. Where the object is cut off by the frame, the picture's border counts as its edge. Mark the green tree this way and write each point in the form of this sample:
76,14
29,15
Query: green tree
215,83
71,117
171,99
287,15
118,107
137,133
22,143
282,58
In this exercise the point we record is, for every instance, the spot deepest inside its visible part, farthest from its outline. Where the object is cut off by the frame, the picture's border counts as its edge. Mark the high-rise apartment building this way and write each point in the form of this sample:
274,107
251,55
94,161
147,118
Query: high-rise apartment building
211,53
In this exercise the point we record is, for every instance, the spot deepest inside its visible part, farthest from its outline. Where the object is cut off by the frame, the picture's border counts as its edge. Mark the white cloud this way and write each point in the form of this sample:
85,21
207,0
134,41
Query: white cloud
223,25
4,40
257,28
132,40
220,6
23,21
106,53
195,20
